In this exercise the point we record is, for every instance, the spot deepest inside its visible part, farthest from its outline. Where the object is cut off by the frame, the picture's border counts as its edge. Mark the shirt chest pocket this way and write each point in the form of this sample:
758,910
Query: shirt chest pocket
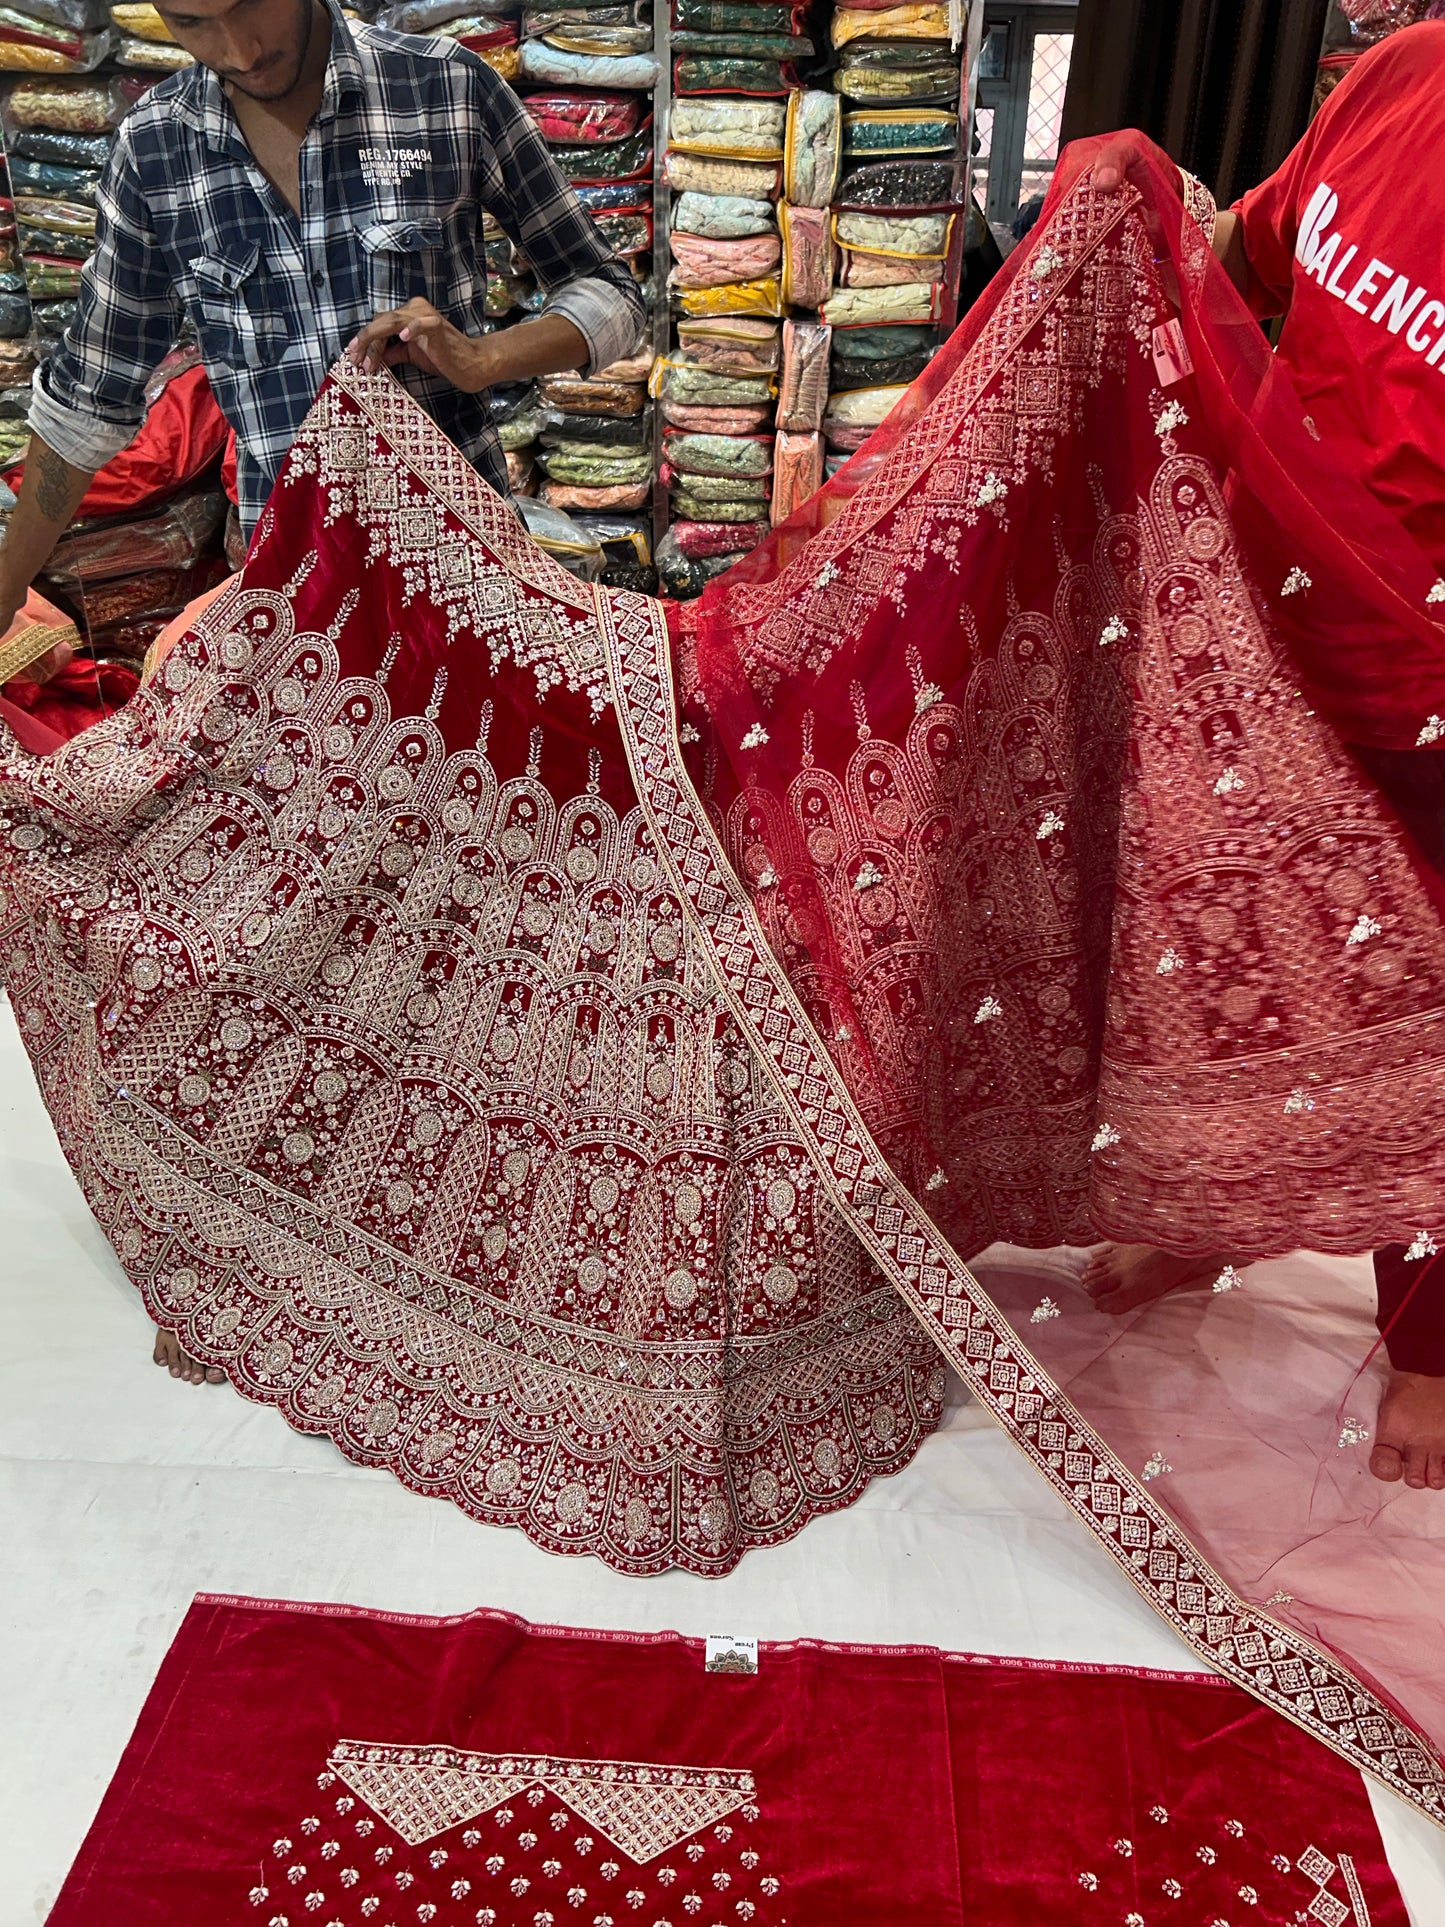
405,261
242,314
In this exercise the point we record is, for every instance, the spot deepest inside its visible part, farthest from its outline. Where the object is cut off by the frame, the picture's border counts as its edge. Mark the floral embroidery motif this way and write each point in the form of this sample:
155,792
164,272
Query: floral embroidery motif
1296,582
1229,783
1124,1848
1433,732
1363,928
1437,592
1422,1245
1298,1102
992,491
1156,1466
1171,416
1046,262
1354,1432
1114,630
1043,1311
1089,1882
1230,1279
1172,1889
1105,1137
1169,963
755,737
1050,824
988,1010
1160,1815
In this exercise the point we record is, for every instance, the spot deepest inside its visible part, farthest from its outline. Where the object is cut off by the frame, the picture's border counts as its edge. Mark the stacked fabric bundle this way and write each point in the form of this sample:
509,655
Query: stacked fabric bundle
144,42
717,392
583,447
810,246
487,27
17,358
58,135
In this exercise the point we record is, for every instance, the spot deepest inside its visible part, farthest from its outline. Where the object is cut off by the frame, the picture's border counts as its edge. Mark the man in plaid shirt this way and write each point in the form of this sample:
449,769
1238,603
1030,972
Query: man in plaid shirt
308,187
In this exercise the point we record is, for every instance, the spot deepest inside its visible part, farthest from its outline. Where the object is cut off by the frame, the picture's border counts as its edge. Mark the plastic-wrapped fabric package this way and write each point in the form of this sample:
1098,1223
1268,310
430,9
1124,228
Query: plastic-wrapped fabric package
808,255
685,576
722,216
898,130
812,148
607,197
580,396
920,22
22,54
521,472
46,181
863,270
731,344
676,379
722,489
729,74
579,39
17,363
884,371
579,118
746,44
896,184
702,262
545,20
916,301
618,496
520,418
867,78
19,24
140,19
906,236
852,417
79,15
803,386
505,60
731,129
610,431
713,174
48,145
634,368
576,548
612,161
728,16
540,61
691,507
61,217
628,536
625,234
14,315
595,465
48,278
68,107
696,419
172,538
763,296
720,454
50,319
797,471
702,539
422,16
149,56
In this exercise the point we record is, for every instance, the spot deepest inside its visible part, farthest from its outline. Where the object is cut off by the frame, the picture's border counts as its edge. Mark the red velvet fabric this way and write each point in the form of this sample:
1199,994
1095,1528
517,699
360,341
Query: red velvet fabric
44,715
302,1764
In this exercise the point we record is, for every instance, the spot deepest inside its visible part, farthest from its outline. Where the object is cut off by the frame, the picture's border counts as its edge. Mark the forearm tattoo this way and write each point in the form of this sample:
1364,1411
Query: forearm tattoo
54,485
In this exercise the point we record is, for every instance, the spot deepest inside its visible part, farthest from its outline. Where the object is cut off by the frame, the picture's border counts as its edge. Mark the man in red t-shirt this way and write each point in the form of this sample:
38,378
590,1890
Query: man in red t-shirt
1345,241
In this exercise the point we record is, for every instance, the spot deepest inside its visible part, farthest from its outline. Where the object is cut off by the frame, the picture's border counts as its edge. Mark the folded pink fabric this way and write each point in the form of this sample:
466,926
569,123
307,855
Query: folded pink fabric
699,420
808,254
803,384
617,495
863,270
797,472
703,262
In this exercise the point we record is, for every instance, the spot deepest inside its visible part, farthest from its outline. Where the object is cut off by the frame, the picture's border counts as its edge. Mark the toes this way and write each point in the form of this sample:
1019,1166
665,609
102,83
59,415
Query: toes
1436,1473
1417,1465
1387,1464
215,1376
166,1350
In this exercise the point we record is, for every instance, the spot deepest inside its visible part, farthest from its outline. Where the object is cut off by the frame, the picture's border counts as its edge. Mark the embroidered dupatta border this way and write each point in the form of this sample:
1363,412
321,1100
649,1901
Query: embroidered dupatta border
1280,1667
938,1287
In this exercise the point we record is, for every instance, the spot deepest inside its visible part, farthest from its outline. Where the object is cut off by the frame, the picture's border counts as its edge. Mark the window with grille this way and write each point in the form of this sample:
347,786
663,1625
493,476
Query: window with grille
1023,75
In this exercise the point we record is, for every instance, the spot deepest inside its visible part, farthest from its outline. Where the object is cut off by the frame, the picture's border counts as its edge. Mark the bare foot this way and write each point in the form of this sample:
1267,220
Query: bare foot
1410,1432
1120,1277
180,1364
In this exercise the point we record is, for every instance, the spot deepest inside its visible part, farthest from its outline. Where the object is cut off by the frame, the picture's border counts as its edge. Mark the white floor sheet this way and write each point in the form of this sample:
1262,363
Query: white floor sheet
125,1493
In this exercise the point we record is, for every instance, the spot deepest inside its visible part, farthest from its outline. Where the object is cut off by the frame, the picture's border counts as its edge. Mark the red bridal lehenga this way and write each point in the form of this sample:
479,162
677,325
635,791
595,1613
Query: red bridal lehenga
577,1063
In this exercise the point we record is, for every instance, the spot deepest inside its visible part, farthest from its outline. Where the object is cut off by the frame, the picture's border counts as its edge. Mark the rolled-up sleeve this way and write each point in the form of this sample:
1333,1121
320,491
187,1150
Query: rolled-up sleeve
88,400
526,191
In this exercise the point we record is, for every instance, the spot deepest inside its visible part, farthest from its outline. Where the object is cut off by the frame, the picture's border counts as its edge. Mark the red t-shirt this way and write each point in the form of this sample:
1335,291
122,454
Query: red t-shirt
1349,236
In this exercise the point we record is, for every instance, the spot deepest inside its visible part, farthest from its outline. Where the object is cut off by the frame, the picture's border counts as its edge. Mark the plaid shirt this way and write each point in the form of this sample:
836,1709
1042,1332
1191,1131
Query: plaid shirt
413,139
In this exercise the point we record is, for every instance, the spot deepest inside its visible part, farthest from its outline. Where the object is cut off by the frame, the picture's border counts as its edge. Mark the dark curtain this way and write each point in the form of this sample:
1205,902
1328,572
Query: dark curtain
1223,85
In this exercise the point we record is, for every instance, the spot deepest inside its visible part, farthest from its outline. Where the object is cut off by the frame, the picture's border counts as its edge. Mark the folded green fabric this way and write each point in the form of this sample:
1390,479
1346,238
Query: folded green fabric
687,507
725,16
725,488
699,75
594,465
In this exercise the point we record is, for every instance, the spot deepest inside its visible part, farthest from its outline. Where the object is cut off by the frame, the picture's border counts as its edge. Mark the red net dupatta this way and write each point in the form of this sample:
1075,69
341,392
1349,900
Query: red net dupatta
1025,744
301,1762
